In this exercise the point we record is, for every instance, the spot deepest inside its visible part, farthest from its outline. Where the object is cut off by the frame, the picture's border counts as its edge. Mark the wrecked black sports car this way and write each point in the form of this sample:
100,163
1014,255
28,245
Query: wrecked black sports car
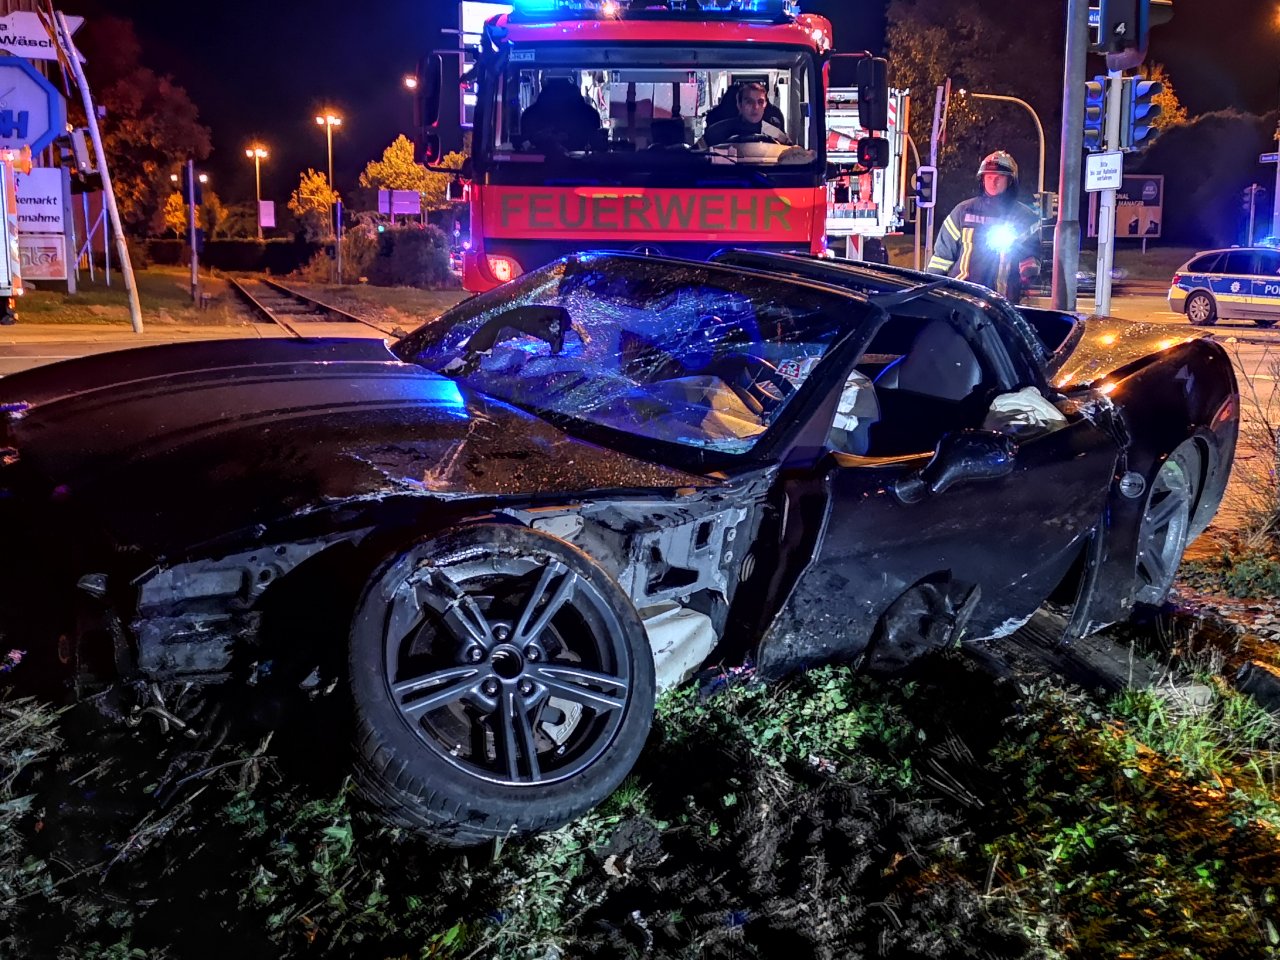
505,532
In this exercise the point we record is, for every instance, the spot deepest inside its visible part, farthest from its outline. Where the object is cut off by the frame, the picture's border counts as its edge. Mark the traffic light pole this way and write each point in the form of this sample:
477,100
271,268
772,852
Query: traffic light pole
1066,234
1107,198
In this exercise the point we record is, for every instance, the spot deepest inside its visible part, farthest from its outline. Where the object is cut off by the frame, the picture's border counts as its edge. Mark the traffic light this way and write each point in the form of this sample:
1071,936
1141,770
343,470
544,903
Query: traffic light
1137,121
926,187
1095,113
1122,25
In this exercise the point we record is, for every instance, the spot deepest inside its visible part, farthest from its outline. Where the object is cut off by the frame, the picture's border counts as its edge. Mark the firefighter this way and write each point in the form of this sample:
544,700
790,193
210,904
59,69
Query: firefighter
991,238
753,108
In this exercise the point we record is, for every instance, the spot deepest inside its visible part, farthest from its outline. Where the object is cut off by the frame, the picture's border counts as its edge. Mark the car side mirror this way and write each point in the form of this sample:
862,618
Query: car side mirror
960,458
873,152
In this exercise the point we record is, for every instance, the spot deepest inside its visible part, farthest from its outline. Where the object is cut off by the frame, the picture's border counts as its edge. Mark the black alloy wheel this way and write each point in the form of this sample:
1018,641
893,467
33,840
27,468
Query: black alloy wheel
1166,524
503,684
1265,323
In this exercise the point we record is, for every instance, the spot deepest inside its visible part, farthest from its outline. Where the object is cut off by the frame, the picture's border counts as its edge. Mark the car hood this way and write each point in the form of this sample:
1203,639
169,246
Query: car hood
1100,345
210,437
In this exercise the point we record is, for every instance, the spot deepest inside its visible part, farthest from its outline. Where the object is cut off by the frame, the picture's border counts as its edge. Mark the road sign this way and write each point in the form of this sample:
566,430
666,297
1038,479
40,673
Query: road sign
1269,158
32,112
1103,171
23,34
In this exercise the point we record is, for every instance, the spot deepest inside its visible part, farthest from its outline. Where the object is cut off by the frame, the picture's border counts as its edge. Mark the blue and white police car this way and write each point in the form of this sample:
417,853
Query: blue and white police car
1241,283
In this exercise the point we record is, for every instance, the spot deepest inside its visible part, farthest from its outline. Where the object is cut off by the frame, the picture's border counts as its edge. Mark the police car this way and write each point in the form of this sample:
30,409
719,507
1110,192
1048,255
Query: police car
1242,283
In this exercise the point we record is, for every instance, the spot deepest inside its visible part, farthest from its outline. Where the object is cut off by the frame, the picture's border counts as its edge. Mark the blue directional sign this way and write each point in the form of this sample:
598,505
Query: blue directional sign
32,111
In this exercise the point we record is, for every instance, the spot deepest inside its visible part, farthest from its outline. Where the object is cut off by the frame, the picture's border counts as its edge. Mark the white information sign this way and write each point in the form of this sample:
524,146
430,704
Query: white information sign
43,256
266,214
23,35
40,201
1103,171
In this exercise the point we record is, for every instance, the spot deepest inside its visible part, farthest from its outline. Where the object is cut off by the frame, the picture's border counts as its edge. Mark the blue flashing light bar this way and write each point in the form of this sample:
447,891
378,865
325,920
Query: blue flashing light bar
591,9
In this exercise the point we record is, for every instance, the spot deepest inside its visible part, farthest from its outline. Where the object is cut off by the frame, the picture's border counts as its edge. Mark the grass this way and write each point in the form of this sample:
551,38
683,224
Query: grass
163,292
945,815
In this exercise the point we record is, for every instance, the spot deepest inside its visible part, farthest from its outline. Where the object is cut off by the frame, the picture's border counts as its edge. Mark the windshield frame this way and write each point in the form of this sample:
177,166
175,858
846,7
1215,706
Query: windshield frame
603,165
771,445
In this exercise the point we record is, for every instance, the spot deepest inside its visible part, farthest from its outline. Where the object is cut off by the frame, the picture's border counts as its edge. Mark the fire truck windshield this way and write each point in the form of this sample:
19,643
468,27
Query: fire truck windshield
654,107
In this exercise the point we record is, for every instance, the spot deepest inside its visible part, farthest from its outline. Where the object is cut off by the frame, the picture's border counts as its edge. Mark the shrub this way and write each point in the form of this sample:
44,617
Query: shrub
415,256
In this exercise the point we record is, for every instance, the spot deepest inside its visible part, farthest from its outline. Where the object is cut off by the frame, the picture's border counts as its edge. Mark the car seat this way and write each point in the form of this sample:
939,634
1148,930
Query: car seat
939,364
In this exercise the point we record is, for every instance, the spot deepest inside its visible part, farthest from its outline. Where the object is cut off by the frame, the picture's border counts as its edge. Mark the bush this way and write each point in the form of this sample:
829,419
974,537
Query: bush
250,256
415,256
359,251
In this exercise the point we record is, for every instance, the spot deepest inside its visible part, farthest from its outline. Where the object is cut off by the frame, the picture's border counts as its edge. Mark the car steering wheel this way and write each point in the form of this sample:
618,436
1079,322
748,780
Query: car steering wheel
750,378
753,138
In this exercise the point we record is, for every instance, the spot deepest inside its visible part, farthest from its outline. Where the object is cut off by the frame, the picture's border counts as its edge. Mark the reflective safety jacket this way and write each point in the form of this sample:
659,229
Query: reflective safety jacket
965,248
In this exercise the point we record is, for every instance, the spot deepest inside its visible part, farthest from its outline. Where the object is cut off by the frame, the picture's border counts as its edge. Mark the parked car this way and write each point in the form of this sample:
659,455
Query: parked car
509,530
1240,283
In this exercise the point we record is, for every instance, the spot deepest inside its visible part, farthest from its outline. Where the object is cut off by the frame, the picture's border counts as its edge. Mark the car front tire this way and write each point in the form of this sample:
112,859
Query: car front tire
1201,310
502,681
1166,523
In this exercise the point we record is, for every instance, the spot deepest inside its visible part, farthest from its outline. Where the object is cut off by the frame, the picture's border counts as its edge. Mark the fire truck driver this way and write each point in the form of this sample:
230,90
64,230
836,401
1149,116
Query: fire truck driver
753,101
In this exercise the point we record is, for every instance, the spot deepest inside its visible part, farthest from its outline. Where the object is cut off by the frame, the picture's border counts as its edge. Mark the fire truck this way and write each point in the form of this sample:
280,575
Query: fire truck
598,124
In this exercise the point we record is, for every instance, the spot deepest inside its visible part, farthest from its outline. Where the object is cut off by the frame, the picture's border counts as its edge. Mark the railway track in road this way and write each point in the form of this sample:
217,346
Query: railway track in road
273,302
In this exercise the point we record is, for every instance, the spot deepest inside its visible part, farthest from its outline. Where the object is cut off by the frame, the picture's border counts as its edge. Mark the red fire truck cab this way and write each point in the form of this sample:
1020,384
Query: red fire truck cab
600,124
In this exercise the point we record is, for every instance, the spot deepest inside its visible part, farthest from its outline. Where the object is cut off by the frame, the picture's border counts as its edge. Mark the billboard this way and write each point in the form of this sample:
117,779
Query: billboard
1139,208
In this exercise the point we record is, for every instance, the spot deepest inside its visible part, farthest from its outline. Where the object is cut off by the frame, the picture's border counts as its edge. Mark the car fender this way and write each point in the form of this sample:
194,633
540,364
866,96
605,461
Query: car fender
1187,392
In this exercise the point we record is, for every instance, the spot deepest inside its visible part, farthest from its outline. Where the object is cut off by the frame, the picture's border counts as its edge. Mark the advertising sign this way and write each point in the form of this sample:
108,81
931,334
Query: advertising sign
266,213
32,111
23,35
43,256
400,202
40,201
1139,208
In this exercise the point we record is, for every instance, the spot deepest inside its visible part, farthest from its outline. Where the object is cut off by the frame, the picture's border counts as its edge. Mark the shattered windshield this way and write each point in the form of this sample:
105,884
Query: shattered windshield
649,106
682,353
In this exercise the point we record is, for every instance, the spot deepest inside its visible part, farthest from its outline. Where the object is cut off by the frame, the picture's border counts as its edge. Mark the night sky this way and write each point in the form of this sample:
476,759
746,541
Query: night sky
261,69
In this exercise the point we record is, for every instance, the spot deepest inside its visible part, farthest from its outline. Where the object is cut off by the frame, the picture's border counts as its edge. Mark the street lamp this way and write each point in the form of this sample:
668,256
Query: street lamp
1034,116
257,153
329,121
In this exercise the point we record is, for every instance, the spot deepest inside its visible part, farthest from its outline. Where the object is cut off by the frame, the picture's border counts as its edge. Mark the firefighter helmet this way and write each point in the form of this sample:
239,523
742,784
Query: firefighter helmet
1002,163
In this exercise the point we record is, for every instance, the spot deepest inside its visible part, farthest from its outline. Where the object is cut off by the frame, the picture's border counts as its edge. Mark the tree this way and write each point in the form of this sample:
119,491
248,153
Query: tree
985,50
175,214
1172,112
312,203
212,214
150,123
398,170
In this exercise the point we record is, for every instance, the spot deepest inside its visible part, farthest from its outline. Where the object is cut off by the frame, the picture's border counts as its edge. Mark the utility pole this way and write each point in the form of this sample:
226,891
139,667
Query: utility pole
62,36
1066,234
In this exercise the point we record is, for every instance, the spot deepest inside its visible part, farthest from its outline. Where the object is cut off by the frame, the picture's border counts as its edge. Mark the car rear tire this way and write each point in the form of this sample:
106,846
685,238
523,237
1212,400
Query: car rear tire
502,681
1166,523
1201,310
1265,323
